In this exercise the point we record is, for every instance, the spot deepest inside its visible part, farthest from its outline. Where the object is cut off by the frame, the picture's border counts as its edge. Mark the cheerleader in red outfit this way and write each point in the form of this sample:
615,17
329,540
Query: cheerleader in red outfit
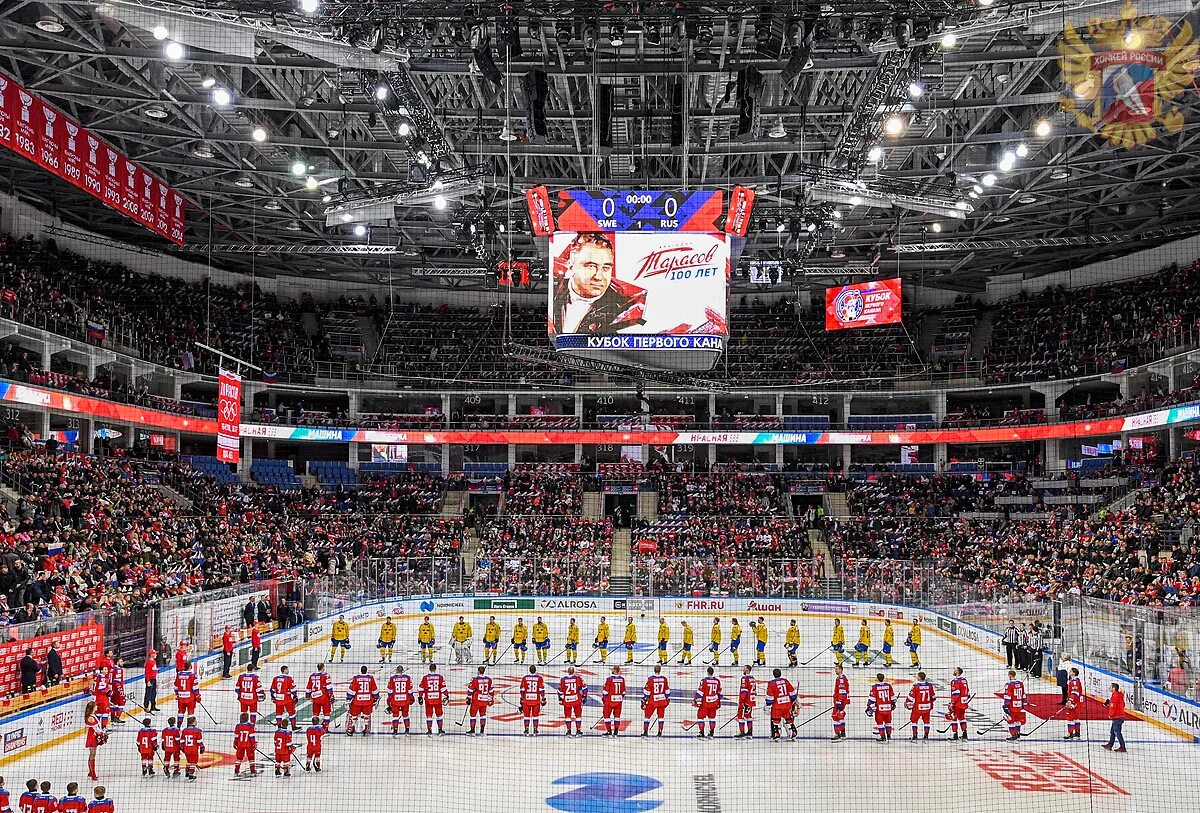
96,736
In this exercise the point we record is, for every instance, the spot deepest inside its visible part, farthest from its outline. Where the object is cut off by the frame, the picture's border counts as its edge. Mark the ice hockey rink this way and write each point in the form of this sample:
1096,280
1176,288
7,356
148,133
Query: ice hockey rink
506,771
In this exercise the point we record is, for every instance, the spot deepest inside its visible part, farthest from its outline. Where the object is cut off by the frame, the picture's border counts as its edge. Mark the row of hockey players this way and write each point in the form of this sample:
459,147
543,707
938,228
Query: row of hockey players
780,701
174,745
462,634
37,798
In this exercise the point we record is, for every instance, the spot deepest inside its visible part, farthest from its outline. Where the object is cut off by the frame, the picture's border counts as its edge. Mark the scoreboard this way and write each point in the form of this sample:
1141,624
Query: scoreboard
640,276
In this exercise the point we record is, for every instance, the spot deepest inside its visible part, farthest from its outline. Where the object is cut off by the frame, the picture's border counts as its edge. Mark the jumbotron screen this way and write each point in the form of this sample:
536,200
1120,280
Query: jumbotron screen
639,277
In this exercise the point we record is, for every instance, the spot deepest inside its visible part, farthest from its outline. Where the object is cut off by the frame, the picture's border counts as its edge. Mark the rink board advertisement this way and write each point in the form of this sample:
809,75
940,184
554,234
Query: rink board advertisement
864,304
620,293
78,648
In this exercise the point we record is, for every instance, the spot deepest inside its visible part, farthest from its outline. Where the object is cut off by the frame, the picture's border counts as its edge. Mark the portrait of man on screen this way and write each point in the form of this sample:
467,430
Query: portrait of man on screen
588,298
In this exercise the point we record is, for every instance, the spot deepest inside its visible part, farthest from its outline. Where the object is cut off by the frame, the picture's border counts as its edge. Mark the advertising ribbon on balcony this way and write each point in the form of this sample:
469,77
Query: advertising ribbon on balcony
229,417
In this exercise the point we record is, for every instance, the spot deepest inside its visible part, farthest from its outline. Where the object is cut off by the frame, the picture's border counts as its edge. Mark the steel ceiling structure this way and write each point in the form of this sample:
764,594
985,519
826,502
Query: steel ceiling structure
307,79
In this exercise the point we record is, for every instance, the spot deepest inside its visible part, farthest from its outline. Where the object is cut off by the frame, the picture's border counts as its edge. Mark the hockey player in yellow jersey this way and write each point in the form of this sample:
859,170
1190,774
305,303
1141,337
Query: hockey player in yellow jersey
837,642
760,641
520,638
689,641
572,650
387,639
339,638
541,641
735,640
630,639
889,641
862,650
714,642
791,643
601,640
664,635
425,640
461,635
914,643
491,640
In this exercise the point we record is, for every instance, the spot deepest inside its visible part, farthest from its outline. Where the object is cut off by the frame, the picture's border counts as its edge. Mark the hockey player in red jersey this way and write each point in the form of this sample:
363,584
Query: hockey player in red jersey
399,700
191,741
187,691
960,699
116,683
245,742
612,697
480,696
1014,706
147,744
747,699
919,702
362,694
101,691
707,700
781,700
656,696
433,693
283,695
533,697
320,691
841,702
880,704
313,736
572,694
250,692
283,751
1074,704
171,747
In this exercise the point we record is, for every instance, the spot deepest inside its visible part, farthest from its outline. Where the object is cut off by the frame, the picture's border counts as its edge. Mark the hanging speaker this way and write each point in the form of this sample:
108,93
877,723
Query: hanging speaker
535,103
676,112
749,86
604,115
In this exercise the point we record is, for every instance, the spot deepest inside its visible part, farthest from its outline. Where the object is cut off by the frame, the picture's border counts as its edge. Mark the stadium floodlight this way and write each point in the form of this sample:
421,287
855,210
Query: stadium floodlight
853,193
259,134
875,154
174,51
160,32
222,96
310,6
439,202
1043,128
1022,150
299,167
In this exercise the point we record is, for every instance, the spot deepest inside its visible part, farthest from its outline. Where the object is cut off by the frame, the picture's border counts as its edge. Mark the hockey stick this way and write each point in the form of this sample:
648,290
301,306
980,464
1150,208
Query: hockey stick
1043,722
947,728
734,717
815,716
651,652
459,723
717,656
556,657
668,660
207,712
819,654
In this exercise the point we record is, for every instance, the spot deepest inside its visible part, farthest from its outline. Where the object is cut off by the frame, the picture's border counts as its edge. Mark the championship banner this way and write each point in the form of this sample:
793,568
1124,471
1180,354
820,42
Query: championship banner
741,205
540,218
32,128
229,417
864,304
639,293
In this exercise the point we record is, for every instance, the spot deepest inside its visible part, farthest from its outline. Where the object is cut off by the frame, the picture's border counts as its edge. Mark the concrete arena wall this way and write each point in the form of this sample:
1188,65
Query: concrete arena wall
47,726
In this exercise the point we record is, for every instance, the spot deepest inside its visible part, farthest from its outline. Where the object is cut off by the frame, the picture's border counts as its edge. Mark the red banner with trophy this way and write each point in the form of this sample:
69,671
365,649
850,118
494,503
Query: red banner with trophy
34,129
229,417
864,304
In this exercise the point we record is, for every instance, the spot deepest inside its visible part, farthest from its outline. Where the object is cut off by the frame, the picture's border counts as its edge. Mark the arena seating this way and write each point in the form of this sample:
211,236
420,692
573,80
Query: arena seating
542,490
1062,333
733,493
543,555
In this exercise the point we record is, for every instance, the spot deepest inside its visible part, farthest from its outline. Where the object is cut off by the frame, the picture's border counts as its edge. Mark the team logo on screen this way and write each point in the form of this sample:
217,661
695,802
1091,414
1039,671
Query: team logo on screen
849,305
1122,74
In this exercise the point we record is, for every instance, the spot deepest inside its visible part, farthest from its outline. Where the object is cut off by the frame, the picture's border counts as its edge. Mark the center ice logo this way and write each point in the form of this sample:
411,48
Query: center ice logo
604,792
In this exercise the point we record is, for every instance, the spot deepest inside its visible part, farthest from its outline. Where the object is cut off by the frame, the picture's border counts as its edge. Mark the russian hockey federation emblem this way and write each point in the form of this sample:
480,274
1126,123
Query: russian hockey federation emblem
605,793
1123,75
